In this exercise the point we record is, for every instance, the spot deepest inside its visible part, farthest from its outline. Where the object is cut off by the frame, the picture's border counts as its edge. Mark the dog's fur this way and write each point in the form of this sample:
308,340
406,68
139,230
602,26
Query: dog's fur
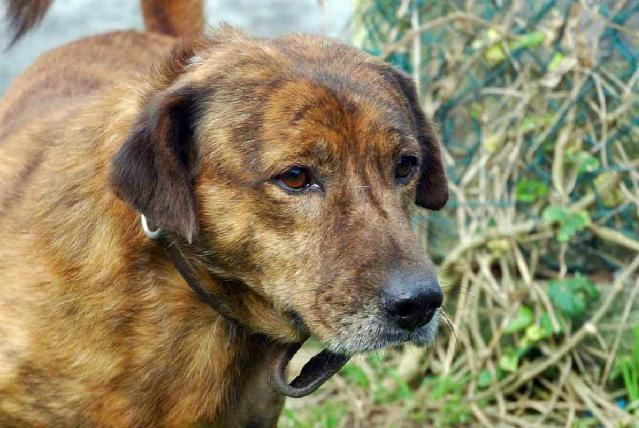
96,326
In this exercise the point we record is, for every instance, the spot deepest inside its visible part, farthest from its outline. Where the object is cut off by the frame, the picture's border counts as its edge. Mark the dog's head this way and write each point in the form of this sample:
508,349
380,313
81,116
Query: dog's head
293,164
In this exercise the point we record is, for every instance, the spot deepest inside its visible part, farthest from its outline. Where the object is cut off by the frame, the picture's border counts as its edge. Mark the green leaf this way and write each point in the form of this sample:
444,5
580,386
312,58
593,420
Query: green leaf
554,213
442,387
528,123
573,296
628,366
529,40
569,223
546,324
630,376
495,54
403,390
583,161
563,298
556,61
572,224
509,362
535,333
587,162
522,319
484,378
523,349
529,190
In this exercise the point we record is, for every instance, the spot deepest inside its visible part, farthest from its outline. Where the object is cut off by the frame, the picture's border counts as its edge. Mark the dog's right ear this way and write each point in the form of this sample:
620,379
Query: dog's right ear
155,169
432,187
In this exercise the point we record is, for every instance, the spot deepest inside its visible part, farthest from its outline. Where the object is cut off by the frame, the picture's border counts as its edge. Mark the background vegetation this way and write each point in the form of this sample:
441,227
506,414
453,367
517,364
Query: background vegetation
538,107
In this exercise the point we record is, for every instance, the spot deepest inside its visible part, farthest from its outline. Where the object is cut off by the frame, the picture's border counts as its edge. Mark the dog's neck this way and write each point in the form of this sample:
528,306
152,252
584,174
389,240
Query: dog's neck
174,347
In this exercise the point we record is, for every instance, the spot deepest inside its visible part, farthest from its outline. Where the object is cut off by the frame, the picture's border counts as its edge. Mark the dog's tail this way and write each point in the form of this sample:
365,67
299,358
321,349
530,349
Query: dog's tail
174,17
171,17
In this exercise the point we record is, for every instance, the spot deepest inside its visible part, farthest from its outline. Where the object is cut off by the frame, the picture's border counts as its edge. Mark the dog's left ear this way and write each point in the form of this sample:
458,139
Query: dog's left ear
155,168
432,187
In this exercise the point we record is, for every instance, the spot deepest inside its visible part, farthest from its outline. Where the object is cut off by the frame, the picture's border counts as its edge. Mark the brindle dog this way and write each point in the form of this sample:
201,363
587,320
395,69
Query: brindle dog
285,168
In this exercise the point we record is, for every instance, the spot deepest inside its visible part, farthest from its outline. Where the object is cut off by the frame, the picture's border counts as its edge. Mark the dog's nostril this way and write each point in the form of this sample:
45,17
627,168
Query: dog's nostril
405,309
410,315
413,305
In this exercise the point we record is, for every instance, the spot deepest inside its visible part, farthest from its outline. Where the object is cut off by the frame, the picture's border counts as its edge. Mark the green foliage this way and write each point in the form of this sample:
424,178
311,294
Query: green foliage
485,378
628,365
547,325
529,40
569,223
584,161
535,333
509,361
530,190
522,319
355,375
498,51
450,392
328,415
573,296
401,390
586,423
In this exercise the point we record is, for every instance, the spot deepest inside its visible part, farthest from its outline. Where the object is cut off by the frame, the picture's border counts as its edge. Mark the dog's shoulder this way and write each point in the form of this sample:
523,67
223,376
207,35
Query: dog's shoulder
76,70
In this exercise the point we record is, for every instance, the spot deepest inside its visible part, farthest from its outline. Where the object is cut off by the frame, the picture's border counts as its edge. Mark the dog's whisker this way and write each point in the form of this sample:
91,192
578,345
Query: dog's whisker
444,313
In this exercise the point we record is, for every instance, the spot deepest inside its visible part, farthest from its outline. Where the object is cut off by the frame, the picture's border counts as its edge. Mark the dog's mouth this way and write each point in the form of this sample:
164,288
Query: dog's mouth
328,362
314,374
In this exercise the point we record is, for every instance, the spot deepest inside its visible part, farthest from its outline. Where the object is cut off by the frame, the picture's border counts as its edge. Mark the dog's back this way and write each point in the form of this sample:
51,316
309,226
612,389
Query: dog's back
67,77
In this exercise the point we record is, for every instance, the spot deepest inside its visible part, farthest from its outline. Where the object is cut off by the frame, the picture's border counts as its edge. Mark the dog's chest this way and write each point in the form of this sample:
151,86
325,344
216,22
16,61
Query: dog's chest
255,403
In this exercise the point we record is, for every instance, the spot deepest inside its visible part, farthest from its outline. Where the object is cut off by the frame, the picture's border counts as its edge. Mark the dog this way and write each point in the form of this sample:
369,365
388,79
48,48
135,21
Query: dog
281,174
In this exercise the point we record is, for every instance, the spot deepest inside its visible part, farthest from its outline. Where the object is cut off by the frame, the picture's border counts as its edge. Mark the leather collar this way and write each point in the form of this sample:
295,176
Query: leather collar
315,372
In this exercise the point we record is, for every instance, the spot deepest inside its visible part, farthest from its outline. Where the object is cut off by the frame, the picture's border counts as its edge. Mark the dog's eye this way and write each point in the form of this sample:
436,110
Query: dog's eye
405,168
296,178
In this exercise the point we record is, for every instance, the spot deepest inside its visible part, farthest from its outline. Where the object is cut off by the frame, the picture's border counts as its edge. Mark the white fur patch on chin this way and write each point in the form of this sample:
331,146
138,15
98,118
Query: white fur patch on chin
369,333
427,333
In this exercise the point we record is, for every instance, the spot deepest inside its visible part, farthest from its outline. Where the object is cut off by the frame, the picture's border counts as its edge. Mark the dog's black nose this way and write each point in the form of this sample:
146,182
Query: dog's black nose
411,300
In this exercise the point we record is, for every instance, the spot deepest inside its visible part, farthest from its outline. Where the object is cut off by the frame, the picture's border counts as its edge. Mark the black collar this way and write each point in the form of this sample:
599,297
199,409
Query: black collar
315,372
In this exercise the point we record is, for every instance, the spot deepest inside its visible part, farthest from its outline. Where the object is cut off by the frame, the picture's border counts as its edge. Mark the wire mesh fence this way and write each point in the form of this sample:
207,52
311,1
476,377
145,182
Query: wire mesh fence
537,103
